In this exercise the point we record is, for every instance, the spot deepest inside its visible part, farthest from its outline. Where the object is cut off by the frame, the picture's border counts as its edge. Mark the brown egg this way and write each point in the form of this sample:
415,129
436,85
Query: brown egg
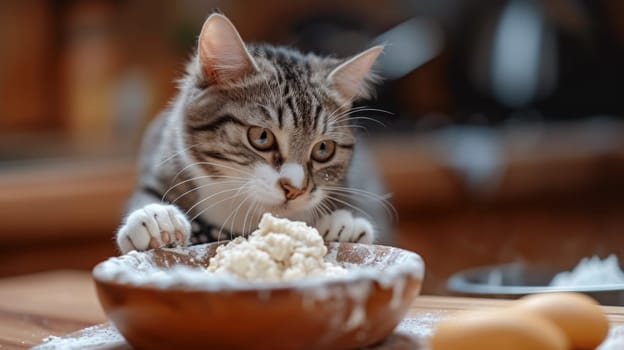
497,330
578,316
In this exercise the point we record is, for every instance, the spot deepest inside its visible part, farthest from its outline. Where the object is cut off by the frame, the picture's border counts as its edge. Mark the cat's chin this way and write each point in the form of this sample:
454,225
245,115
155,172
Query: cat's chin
289,210
281,209
300,208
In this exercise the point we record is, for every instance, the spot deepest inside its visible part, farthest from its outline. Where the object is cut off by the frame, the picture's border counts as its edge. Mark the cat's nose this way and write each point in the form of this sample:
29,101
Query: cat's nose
290,191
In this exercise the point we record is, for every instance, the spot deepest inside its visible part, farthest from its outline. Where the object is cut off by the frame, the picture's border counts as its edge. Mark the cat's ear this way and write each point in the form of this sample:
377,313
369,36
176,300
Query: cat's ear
221,51
353,78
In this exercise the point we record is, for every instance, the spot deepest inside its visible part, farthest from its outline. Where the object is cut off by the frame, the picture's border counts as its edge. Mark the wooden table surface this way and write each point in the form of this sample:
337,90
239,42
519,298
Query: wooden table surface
56,303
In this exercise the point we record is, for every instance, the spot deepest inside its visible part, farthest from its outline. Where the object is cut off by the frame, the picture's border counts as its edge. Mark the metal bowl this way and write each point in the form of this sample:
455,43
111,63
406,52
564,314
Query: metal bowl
510,281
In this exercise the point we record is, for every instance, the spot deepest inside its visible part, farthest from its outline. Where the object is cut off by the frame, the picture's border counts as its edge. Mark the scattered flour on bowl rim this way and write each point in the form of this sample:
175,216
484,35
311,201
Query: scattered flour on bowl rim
279,249
137,269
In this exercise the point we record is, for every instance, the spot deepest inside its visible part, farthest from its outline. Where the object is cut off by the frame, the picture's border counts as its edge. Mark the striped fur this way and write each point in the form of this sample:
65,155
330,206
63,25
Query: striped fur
196,154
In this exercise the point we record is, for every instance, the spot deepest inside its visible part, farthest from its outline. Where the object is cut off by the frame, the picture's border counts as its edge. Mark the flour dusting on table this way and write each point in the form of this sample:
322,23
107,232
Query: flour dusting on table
615,339
100,337
420,325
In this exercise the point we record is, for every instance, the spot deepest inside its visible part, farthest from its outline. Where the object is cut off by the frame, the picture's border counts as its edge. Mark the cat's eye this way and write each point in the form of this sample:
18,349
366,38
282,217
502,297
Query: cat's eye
260,138
323,151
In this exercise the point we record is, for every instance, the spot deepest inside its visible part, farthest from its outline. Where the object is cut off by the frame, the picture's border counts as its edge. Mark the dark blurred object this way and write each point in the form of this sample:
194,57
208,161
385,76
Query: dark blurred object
494,61
557,59
516,60
100,69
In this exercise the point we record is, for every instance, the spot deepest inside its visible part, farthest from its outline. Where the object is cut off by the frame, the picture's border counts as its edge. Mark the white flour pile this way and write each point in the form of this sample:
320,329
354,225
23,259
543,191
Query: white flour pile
591,271
279,249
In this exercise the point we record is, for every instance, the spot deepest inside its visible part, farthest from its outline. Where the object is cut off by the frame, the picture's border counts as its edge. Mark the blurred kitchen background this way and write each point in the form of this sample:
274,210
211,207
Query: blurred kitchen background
505,142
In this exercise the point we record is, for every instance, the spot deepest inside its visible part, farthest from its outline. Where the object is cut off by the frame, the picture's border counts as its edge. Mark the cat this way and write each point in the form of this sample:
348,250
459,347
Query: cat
255,129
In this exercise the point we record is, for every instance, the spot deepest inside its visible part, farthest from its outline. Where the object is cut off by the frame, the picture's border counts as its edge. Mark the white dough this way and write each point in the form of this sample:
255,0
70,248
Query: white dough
279,249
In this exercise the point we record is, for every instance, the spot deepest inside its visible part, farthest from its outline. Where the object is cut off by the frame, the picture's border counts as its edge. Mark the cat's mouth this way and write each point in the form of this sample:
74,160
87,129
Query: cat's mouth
279,204
284,206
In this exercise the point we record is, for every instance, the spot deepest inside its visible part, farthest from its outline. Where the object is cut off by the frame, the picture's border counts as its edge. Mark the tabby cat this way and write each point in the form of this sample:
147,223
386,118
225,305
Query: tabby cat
256,129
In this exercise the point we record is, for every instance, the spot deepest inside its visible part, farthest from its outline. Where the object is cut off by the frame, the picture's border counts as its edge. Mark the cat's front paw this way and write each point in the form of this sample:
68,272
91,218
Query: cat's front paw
153,226
342,226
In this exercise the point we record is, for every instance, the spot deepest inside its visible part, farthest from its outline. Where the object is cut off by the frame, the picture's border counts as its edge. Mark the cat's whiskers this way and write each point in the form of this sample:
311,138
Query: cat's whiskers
354,113
364,109
352,118
255,213
331,196
249,210
320,210
233,222
210,163
326,209
221,183
382,199
348,111
353,126
315,214
343,120
234,212
337,110
175,154
234,215
253,204
208,198
212,205
332,119
323,208
349,116
198,178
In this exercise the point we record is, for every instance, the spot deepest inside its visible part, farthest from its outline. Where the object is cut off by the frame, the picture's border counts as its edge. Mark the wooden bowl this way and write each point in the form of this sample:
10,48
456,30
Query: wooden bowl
157,304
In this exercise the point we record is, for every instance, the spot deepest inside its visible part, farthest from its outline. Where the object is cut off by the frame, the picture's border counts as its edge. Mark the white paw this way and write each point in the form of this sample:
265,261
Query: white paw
153,226
342,226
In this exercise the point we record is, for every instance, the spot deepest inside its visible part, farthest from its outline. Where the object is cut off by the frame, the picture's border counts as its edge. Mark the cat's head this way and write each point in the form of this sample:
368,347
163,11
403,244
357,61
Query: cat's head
270,121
